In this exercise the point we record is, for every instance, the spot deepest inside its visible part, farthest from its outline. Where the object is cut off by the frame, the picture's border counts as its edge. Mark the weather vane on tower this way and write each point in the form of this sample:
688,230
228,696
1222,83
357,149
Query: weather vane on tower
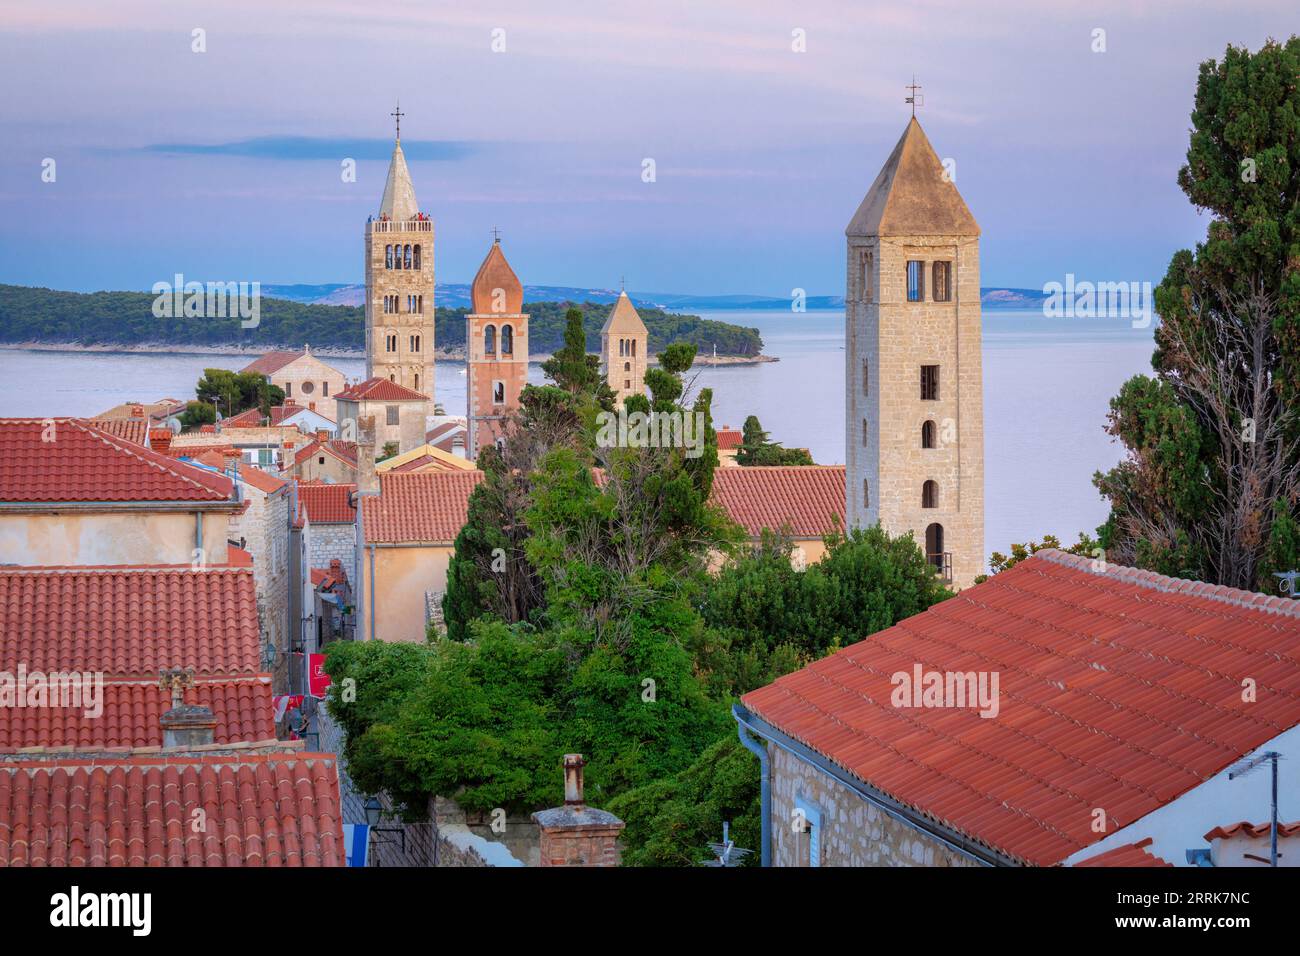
914,99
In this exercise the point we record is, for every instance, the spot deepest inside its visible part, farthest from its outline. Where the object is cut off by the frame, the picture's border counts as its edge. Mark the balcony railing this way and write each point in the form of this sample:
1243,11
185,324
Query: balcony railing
403,225
943,564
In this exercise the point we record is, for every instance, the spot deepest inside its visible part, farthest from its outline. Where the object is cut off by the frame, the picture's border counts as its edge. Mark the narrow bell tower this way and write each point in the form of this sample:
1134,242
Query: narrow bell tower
496,349
914,406
399,283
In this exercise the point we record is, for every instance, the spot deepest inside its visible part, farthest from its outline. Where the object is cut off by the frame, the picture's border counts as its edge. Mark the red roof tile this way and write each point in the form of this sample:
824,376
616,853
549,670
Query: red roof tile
131,714
84,463
261,480
427,506
809,498
729,439
327,504
134,430
1253,830
276,808
1119,689
253,417
1128,855
160,439
128,621
380,390
272,362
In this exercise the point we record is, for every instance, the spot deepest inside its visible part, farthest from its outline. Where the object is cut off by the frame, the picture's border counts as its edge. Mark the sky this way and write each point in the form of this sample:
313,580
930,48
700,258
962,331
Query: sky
766,123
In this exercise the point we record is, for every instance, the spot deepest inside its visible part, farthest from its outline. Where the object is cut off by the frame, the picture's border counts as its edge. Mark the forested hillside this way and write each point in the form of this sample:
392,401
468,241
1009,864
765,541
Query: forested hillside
126,318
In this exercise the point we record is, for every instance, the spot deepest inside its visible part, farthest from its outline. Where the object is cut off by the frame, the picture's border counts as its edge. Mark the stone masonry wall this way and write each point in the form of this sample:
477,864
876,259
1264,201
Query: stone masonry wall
330,541
264,529
885,412
854,832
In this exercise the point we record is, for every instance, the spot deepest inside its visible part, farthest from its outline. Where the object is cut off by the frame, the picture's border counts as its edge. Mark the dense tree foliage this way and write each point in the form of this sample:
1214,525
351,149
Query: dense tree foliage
1019,552
757,449
1210,487
126,318
233,392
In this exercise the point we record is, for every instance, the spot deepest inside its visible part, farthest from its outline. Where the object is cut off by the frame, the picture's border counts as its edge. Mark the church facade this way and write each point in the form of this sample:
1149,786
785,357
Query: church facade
914,405
399,285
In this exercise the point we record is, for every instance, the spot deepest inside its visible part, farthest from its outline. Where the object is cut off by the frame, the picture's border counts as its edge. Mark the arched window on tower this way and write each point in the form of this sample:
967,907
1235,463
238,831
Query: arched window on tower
417,257
622,347
930,494
406,259
388,256
490,340
634,348
927,434
507,340
627,366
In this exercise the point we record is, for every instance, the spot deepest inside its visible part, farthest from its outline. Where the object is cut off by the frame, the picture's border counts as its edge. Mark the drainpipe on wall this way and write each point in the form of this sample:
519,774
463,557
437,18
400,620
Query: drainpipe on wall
765,786
366,604
198,537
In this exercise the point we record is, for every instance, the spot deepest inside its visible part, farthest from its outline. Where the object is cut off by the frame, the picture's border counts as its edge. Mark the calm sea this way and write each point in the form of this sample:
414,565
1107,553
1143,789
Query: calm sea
1046,387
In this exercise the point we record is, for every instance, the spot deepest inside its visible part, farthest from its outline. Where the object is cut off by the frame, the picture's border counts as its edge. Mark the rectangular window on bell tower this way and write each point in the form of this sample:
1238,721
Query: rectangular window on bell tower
915,280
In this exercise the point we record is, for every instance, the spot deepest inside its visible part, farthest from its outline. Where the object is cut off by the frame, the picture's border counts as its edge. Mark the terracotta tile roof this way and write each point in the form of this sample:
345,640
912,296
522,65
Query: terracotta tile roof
331,577
426,457
83,463
1253,830
272,362
156,411
344,451
134,430
327,504
129,621
444,436
244,709
275,807
809,498
427,506
1128,855
261,480
729,439
253,417
1119,689
379,390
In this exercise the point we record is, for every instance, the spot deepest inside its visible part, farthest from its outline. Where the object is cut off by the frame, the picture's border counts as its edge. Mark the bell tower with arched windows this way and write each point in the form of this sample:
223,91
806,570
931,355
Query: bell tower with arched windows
915,403
496,349
623,345
399,285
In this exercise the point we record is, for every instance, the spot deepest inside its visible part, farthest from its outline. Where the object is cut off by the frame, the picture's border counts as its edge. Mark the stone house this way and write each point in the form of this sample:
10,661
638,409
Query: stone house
1061,712
399,412
406,538
324,460
303,378
262,529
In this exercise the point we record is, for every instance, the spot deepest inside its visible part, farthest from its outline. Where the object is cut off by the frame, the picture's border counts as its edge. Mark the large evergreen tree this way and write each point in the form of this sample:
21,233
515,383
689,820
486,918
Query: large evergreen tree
1210,487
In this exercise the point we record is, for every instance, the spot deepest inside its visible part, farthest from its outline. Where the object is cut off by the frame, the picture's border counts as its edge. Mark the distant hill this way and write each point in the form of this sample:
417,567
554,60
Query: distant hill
456,295
30,315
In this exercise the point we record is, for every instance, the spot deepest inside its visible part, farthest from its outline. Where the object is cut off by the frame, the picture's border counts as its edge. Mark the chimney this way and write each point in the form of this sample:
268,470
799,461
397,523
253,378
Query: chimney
137,411
367,478
189,725
322,435
576,834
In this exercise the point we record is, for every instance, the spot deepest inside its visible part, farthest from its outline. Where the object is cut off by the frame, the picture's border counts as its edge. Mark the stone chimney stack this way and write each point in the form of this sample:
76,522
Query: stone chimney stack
576,834
367,478
189,725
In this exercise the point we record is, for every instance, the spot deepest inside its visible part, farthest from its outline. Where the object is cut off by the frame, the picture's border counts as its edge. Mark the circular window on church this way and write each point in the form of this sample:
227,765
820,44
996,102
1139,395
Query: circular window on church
308,388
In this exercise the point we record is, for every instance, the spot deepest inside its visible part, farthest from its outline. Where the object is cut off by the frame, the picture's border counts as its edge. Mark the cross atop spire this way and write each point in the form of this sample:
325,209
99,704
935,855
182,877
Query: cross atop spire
914,99
496,235
398,114
622,283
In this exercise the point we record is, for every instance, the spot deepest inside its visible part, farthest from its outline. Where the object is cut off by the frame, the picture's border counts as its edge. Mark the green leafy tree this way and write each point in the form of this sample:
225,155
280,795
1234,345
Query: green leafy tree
757,449
234,392
198,414
1210,486
998,561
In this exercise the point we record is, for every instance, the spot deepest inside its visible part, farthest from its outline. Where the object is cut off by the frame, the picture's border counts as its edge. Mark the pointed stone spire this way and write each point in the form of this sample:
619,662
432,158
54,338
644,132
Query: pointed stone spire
623,317
399,194
912,196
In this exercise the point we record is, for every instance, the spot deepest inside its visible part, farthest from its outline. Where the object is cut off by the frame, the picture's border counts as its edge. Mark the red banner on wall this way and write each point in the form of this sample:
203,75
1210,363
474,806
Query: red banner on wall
318,682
